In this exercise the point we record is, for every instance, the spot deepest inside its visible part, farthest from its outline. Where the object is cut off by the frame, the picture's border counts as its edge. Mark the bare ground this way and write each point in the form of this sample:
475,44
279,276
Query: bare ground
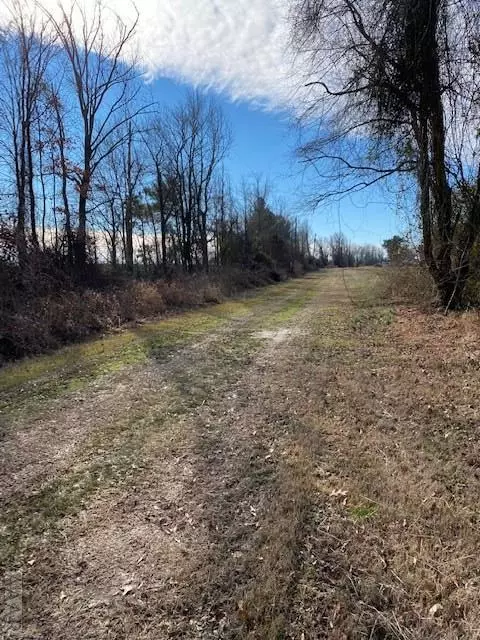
306,466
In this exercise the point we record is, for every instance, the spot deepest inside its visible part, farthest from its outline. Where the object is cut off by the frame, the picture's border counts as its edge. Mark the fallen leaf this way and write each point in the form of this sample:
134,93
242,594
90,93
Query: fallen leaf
435,609
339,492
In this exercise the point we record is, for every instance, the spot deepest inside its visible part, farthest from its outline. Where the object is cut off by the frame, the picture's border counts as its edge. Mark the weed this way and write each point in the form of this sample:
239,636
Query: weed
363,512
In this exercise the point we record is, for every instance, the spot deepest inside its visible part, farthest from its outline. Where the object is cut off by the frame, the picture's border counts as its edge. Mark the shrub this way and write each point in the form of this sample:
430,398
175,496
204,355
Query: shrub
34,320
147,300
212,293
409,284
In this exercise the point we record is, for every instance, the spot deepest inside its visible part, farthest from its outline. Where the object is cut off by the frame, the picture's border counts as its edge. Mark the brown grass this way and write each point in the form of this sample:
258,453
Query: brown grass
409,284
391,548
310,474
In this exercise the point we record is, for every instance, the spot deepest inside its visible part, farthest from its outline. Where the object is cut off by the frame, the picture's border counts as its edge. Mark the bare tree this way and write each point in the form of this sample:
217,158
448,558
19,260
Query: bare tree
197,139
102,79
26,49
165,188
396,83
132,171
61,164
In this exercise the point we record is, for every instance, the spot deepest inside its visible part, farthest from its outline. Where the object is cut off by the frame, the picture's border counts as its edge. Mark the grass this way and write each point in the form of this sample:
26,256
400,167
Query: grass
111,455
290,307
110,353
372,319
40,513
323,486
363,512
29,385
388,405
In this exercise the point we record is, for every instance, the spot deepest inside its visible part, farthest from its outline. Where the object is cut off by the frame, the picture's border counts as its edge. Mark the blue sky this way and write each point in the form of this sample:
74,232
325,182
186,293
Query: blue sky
238,50
264,143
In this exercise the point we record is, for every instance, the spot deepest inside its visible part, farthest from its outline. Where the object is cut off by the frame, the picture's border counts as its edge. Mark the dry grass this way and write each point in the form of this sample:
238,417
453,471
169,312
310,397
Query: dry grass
409,284
391,547
305,469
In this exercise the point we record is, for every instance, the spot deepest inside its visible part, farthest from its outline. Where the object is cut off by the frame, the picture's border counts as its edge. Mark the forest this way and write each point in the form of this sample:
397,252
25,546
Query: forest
102,189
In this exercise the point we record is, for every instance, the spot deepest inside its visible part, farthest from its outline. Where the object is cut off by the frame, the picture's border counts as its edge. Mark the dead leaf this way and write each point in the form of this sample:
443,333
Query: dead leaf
435,609
338,492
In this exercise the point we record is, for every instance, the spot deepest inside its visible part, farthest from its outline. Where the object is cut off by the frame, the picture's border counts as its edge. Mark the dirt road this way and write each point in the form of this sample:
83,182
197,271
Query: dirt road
299,463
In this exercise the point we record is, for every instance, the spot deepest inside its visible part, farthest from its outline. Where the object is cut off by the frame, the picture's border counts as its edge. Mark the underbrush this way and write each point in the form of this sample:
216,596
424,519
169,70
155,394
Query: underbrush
40,318
408,284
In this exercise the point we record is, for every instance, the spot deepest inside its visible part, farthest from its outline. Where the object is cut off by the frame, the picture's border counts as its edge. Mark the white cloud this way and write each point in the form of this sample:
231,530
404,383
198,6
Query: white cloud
236,46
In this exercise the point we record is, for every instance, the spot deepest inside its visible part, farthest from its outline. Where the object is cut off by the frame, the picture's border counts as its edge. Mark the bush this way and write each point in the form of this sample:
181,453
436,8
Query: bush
409,284
34,320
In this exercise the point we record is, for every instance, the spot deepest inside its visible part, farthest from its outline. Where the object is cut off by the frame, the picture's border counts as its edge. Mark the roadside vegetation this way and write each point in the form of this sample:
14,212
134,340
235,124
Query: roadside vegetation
115,209
306,451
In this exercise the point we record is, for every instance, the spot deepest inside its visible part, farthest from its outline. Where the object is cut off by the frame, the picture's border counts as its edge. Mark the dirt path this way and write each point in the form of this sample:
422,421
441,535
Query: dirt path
300,463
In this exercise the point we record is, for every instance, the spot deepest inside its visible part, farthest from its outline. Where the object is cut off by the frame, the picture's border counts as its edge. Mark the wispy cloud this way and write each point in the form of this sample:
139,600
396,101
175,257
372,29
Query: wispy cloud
235,46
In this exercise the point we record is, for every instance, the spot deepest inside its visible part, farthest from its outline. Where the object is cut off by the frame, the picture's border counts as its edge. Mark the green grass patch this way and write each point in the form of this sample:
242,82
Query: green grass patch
363,512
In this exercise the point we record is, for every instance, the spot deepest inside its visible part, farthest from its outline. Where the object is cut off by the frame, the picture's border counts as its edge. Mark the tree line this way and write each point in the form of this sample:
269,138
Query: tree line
339,251
91,171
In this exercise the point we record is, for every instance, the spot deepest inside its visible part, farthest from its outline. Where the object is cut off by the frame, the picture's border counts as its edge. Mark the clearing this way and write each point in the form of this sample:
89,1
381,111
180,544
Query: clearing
302,463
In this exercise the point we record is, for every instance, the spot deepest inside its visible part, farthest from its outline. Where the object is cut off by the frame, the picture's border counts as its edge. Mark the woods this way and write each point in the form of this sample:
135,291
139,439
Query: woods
94,173
394,87
101,187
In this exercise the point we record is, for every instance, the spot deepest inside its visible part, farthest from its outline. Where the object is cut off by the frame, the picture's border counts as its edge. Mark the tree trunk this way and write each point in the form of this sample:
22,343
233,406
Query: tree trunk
129,235
64,175
163,218
21,240
433,171
163,233
80,240
113,236
204,241
129,206
31,190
